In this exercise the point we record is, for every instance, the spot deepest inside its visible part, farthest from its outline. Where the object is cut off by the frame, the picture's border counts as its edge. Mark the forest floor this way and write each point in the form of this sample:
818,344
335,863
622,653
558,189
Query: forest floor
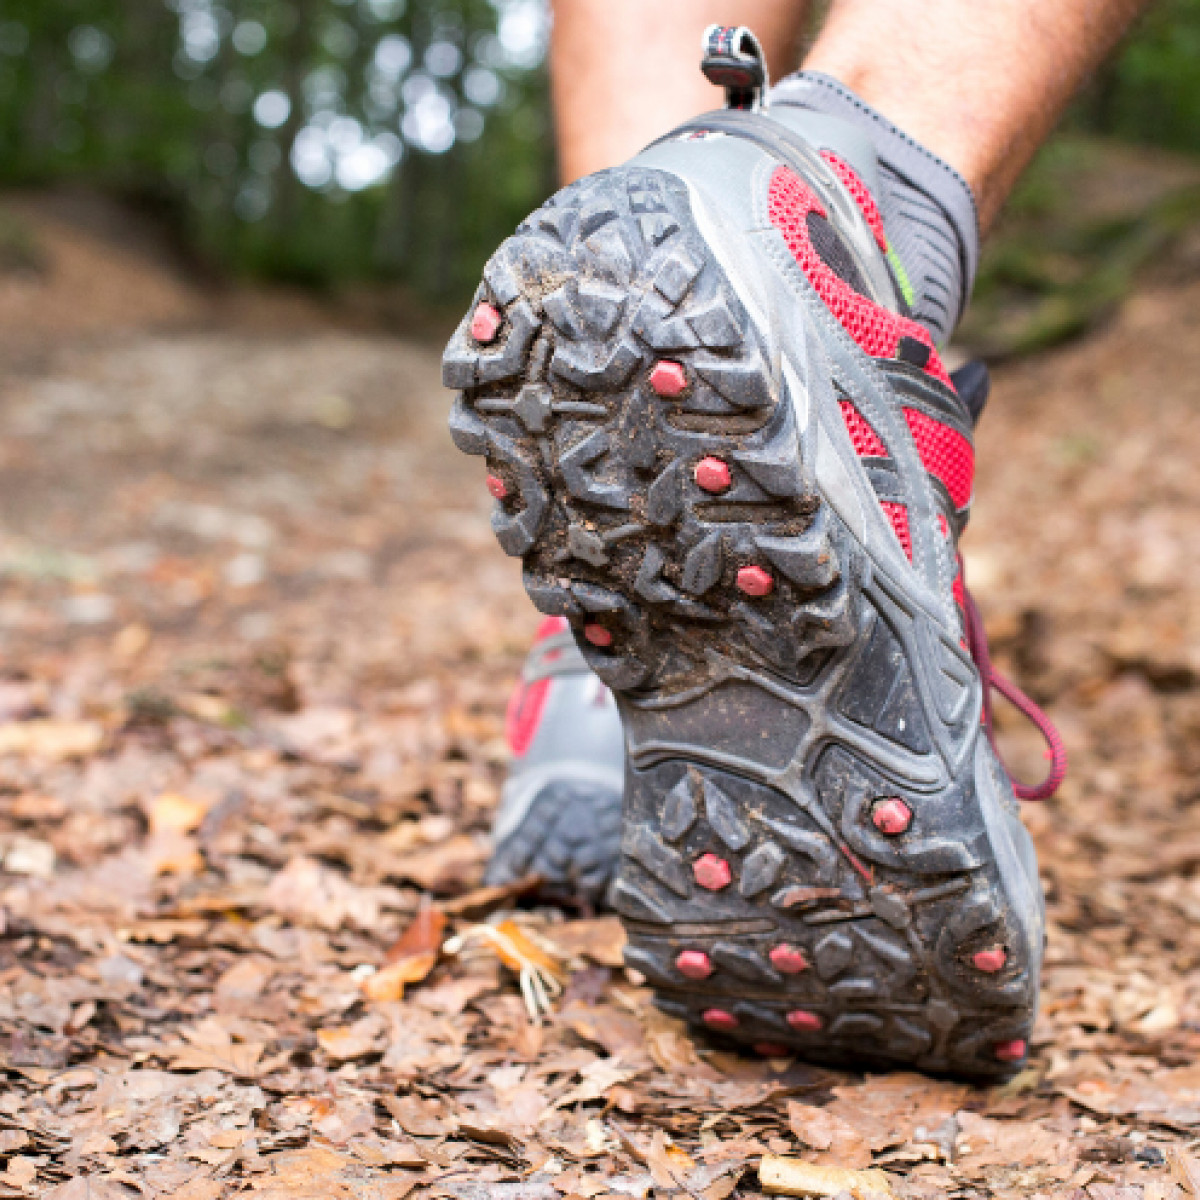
256,641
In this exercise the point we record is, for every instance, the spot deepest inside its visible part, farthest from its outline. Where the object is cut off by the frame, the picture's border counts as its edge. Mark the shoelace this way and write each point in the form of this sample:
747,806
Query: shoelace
977,644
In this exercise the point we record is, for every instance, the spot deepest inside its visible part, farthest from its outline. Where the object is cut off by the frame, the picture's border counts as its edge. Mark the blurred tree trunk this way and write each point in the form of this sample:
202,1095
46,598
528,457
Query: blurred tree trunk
38,143
297,52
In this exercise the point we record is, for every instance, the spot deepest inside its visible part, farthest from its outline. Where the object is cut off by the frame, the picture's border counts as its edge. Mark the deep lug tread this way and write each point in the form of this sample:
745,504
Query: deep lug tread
568,839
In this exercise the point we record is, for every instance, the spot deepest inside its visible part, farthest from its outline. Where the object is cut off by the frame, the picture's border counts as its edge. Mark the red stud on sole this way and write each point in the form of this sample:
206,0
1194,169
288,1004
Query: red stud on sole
772,1050
598,635
754,581
1012,1051
718,1018
788,959
804,1021
668,379
713,475
495,485
891,816
695,964
712,872
990,960
485,324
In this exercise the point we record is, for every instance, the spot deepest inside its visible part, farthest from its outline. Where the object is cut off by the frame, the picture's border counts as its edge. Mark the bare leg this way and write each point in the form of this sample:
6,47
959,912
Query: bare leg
624,72
980,84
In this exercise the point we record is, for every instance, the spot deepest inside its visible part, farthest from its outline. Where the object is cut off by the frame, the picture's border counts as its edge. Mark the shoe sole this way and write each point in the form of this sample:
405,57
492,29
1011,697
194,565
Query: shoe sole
639,429
569,838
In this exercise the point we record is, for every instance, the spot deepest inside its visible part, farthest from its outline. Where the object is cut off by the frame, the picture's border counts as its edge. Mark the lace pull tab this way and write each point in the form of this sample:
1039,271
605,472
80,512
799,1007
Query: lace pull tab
1054,743
733,59
977,644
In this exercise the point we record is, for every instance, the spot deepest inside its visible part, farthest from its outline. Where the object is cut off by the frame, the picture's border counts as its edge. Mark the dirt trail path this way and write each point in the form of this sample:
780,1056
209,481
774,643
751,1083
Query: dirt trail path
256,640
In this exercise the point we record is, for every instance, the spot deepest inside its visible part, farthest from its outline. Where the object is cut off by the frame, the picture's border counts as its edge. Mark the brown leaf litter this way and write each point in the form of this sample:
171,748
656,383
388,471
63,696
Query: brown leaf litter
251,739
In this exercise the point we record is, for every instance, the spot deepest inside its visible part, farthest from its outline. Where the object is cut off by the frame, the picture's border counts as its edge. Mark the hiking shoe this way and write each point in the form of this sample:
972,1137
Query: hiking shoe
560,809
738,470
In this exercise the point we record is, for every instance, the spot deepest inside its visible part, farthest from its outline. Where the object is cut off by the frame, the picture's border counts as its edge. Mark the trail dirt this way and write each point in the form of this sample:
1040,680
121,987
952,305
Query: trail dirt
255,646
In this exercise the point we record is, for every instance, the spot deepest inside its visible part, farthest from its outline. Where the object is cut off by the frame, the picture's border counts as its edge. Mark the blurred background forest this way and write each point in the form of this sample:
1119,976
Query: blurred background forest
335,142
316,141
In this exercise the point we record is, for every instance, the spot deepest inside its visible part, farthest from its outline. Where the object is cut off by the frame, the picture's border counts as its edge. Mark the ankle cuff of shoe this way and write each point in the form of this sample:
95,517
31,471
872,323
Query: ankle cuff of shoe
928,207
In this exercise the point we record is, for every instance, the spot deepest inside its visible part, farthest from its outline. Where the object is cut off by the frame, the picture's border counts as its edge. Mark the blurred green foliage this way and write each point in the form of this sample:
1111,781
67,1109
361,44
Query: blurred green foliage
1087,221
314,140
1150,91
1094,213
329,141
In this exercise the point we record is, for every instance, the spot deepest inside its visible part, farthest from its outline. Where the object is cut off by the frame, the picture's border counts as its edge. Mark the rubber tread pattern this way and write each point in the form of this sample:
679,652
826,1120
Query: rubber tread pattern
570,838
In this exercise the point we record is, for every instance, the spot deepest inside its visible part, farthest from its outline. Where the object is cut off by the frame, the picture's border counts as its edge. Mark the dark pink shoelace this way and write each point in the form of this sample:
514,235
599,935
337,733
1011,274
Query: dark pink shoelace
977,644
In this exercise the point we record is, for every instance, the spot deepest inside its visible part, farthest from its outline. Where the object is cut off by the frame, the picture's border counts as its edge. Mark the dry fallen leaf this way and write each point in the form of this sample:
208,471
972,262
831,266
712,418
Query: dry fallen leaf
173,813
985,1143
540,974
597,1079
378,1152
310,892
515,949
97,1143
888,1110
12,1140
411,957
52,740
90,1187
481,901
203,707
450,867
601,939
795,1177
239,988
171,853
237,1058
668,1041
29,856
162,932
669,1165
344,1042
418,1118
320,1173
1185,1170
21,1172
839,1142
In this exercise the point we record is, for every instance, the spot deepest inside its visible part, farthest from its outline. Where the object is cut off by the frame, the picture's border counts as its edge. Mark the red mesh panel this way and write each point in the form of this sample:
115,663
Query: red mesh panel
866,440
525,714
898,515
877,331
863,198
549,627
947,455
525,705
